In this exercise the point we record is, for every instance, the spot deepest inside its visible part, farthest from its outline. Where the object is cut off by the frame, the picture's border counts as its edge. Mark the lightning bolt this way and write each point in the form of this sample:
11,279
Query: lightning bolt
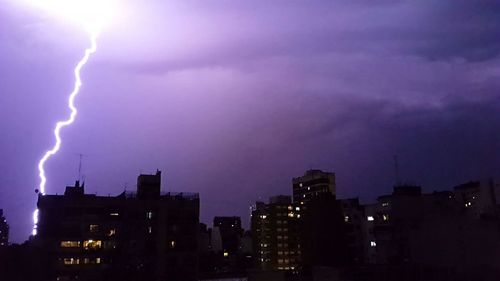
64,123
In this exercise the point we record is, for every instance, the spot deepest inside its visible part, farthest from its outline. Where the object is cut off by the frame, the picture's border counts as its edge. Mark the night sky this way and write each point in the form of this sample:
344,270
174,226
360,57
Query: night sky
232,99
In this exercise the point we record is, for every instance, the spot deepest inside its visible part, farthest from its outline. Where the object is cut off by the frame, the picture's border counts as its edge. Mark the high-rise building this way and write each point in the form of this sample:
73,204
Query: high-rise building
275,235
312,184
133,236
4,230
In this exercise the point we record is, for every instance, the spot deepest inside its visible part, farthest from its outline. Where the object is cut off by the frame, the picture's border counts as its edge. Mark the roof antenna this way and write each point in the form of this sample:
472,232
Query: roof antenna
80,166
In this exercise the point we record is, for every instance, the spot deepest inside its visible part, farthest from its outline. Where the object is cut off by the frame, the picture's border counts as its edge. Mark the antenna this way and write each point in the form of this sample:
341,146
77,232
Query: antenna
396,170
80,165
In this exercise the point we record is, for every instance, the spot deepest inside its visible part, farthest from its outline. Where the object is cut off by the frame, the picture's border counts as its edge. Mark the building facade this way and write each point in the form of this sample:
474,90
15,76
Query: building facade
312,184
145,235
275,235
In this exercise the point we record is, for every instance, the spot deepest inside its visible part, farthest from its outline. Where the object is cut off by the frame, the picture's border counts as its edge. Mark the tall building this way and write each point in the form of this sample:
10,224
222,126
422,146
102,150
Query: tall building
4,230
312,184
146,235
275,235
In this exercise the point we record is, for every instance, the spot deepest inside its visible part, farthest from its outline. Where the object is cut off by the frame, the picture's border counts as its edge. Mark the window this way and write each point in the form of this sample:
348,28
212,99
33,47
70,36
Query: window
385,204
226,254
94,228
385,217
71,261
370,218
150,229
172,244
346,218
92,260
373,244
92,244
149,215
70,244
114,214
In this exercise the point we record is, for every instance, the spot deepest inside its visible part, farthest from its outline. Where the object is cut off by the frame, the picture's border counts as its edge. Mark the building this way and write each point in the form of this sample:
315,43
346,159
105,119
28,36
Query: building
312,184
4,230
437,230
230,233
147,235
479,198
275,235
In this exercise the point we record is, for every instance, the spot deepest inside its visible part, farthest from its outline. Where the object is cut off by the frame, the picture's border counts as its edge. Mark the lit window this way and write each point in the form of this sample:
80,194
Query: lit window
297,208
71,261
149,215
385,204
346,218
373,244
226,254
290,215
111,232
263,217
172,244
70,244
300,184
385,217
92,244
114,214
308,188
303,196
94,228
370,218
150,229
298,215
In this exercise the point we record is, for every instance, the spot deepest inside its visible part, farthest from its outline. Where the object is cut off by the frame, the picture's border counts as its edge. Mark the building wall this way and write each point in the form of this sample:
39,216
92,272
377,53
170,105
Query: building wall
152,237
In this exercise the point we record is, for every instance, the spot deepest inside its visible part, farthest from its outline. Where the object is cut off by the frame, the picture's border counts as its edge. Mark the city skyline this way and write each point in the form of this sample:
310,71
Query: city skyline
233,100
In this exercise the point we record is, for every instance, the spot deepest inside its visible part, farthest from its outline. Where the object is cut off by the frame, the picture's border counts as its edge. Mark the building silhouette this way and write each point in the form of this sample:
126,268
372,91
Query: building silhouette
147,235
4,230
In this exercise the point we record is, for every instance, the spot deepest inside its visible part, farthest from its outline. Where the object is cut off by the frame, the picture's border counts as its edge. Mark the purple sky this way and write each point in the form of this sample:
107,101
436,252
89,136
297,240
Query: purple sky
232,99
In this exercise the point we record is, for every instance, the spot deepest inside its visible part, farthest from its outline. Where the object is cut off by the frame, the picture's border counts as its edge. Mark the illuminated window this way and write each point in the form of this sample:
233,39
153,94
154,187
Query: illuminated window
346,218
149,215
308,188
385,204
114,214
300,184
92,260
71,261
94,228
297,208
226,254
290,215
70,244
385,217
263,217
150,229
92,244
370,218
172,244
373,244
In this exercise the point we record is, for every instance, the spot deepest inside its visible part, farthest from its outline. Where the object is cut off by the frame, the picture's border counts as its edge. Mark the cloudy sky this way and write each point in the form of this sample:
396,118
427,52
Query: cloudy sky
232,99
